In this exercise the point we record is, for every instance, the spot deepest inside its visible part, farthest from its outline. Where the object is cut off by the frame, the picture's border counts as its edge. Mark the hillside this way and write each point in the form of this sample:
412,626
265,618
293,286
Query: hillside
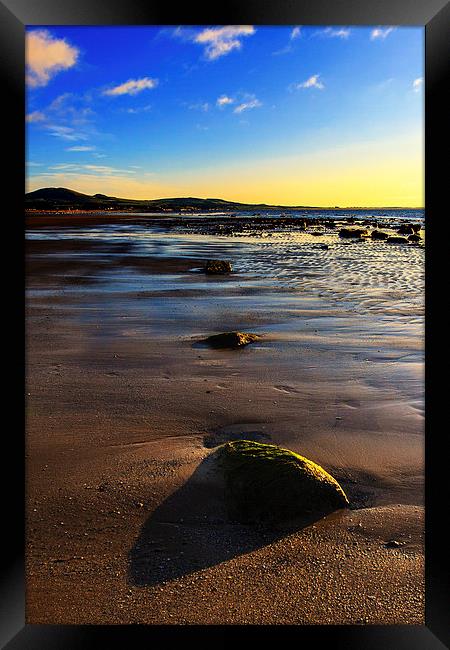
60,198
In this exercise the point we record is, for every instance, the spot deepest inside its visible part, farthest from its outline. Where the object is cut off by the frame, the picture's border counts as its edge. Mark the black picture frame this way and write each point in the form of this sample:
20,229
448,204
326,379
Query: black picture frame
434,15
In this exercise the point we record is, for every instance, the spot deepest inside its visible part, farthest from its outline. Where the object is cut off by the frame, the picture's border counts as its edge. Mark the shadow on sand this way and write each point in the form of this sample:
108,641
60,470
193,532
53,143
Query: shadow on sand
191,531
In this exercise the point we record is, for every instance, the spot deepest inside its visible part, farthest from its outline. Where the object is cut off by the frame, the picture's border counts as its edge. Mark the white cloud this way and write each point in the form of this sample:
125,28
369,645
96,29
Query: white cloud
252,102
417,84
220,41
80,148
46,56
296,32
224,100
312,82
132,87
334,32
35,116
380,32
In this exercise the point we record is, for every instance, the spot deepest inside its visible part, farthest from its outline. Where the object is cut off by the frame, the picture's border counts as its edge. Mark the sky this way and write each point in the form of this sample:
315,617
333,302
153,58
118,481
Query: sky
289,115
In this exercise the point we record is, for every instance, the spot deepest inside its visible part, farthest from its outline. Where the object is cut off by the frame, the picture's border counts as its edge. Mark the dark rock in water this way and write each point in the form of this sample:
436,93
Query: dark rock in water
231,339
416,227
317,233
414,237
405,229
379,234
218,267
325,247
397,240
357,233
268,484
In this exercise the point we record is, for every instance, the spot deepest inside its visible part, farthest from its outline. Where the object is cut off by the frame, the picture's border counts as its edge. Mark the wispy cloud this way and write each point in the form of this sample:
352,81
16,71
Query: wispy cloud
219,41
251,102
46,56
294,35
224,100
380,33
73,168
80,148
139,109
132,87
66,132
312,82
199,106
417,84
35,116
334,32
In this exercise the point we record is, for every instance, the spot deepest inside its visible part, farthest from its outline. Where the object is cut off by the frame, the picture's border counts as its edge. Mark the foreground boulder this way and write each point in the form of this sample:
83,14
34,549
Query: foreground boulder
218,267
268,484
356,233
415,237
231,339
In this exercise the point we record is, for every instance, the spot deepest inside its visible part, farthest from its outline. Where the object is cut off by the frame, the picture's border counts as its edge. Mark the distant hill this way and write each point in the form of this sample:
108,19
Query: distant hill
60,198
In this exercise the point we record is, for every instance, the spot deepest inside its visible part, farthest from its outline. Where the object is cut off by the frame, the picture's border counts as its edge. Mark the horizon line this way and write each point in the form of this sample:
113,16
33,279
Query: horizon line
290,207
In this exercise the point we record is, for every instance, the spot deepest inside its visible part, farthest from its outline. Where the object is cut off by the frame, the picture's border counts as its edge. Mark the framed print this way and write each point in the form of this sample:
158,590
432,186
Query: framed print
222,319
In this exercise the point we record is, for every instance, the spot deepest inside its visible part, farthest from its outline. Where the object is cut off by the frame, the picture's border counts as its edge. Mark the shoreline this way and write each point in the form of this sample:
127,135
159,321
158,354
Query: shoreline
126,473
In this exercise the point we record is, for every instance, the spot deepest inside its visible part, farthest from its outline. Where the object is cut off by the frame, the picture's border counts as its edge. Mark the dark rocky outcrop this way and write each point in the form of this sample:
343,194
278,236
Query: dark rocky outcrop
356,233
405,229
394,239
379,234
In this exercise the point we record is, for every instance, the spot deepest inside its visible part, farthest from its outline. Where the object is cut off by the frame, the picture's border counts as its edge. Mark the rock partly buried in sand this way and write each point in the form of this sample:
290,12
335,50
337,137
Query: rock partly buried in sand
217,267
397,240
356,233
379,234
231,339
268,484
415,237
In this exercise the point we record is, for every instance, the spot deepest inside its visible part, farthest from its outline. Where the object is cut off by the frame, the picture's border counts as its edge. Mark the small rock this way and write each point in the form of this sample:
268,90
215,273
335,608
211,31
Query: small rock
394,239
393,543
231,339
217,267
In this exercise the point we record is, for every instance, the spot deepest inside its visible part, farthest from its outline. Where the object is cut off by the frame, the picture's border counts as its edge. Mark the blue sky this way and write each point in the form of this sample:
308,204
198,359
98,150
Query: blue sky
295,114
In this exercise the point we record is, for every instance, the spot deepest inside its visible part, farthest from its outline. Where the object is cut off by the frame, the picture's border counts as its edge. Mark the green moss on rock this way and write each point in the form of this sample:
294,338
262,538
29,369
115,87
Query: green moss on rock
269,484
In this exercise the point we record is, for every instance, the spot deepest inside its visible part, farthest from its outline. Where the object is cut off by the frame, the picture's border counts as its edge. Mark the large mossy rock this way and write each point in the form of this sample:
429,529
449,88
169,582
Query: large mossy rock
268,484
218,267
231,339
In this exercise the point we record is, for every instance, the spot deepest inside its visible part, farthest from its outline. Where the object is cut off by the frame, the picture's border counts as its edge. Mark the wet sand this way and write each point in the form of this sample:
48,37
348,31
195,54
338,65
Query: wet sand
125,514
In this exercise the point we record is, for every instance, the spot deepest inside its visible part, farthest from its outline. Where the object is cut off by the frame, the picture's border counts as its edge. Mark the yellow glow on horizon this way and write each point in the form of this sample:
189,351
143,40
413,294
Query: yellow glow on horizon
389,173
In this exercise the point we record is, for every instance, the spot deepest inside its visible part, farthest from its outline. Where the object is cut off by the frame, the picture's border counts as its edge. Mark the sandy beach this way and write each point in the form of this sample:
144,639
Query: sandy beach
126,520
